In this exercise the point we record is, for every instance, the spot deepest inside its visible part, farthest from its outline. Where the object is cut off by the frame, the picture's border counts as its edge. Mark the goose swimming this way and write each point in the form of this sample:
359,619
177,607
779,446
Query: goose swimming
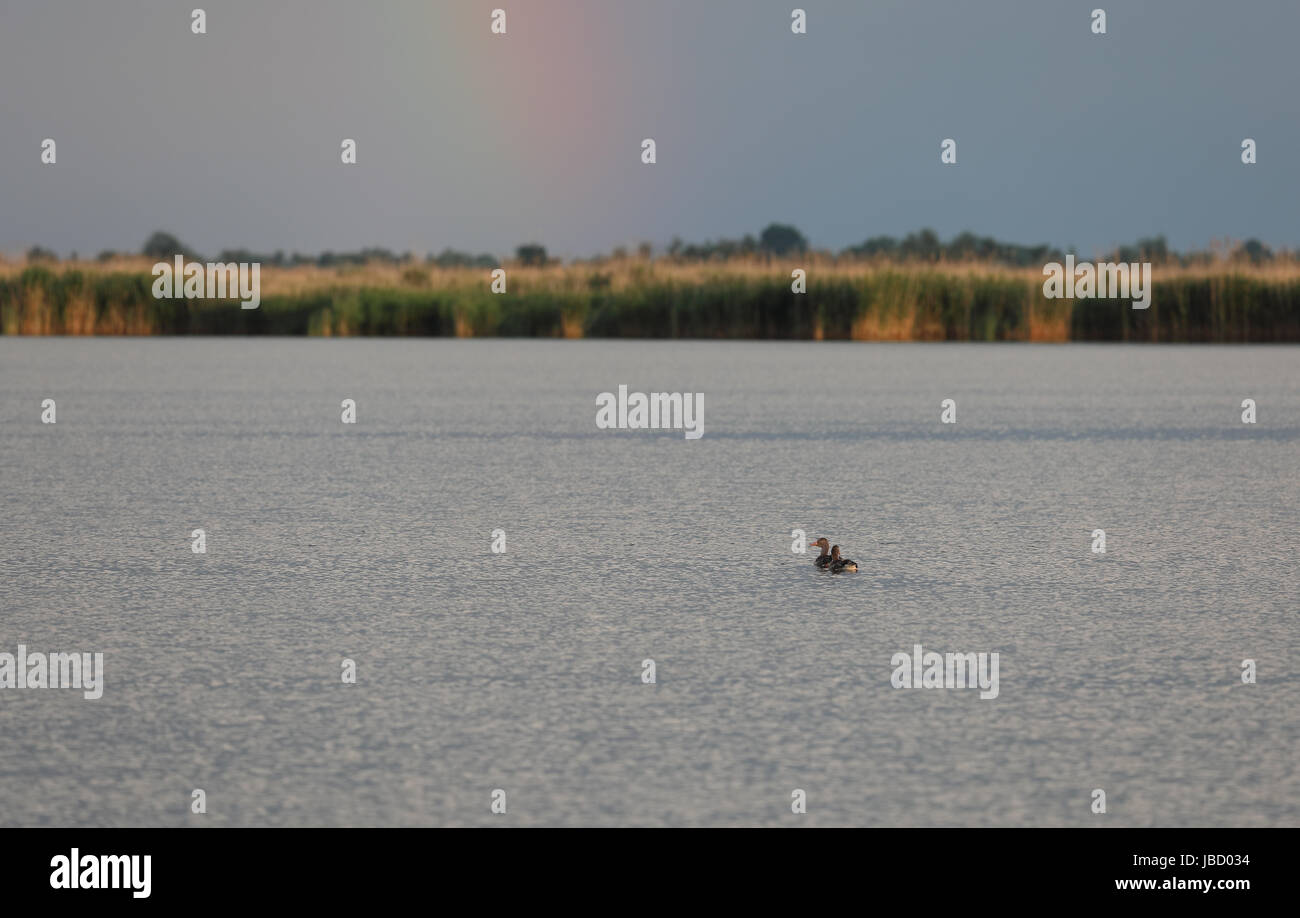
824,559
842,565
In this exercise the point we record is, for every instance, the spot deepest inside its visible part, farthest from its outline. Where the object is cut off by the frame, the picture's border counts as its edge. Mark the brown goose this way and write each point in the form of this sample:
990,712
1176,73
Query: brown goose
824,559
842,565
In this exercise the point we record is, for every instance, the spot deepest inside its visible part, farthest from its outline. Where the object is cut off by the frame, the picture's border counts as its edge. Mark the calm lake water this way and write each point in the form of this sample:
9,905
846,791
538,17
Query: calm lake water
522,670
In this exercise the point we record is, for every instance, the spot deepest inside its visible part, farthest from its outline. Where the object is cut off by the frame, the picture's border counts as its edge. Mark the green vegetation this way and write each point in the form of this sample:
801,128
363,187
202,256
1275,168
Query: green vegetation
970,288
636,298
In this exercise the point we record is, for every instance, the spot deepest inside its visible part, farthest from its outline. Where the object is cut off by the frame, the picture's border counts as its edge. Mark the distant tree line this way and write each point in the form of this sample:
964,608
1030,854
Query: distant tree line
925,245
163,245
776,240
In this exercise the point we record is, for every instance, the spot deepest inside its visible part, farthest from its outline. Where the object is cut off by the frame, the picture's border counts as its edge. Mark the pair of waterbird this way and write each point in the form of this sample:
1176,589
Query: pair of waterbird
830,560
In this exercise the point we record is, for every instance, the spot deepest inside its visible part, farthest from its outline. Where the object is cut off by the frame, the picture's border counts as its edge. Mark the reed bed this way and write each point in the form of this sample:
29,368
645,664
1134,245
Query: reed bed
641,298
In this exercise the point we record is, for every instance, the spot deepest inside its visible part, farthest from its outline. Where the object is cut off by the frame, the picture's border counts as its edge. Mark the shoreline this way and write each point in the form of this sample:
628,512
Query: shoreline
634,299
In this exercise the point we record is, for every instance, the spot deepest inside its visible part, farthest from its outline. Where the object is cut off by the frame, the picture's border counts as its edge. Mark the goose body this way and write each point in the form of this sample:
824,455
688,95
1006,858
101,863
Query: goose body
840,565
823,561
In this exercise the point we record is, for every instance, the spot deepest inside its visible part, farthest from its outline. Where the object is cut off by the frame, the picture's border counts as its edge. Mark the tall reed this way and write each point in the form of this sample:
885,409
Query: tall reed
1228,302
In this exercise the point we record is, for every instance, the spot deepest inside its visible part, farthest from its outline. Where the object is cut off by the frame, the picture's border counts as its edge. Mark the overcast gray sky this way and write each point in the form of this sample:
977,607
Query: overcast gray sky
481,142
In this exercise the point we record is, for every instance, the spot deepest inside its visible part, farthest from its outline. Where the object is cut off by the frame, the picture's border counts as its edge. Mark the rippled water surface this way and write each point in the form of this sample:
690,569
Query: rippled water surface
522,671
